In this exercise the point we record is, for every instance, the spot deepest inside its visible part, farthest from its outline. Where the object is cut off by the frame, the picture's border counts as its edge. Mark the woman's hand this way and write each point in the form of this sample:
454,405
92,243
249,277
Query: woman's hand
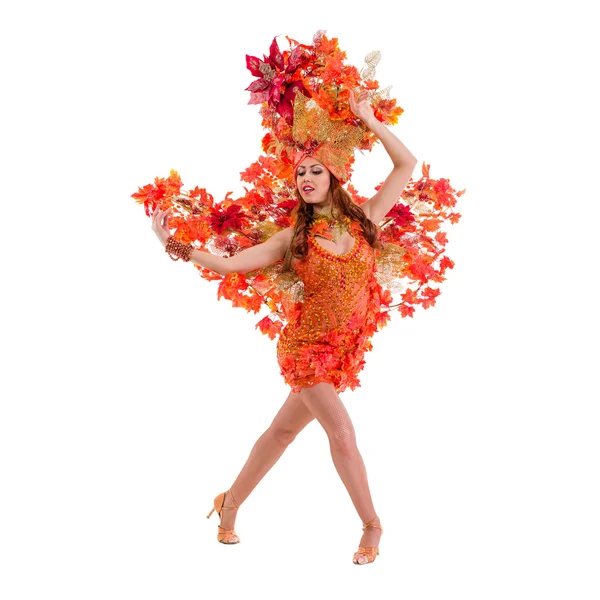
361,107
160,224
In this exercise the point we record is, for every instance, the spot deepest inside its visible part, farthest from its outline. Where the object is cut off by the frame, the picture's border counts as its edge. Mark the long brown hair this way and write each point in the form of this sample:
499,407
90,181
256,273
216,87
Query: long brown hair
341,204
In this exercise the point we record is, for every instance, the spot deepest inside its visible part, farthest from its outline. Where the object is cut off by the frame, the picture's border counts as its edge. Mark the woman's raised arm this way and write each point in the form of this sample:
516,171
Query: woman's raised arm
377,207
261,255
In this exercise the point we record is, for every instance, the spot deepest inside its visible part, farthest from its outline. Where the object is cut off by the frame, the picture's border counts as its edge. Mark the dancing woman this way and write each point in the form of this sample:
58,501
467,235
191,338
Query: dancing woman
329,289
317,188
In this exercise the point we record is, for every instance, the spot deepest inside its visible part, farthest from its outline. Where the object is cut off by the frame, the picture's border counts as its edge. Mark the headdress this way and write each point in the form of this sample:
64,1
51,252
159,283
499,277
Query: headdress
304,93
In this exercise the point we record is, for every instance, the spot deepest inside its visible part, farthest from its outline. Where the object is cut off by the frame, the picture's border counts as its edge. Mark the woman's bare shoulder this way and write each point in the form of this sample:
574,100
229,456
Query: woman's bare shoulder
286,235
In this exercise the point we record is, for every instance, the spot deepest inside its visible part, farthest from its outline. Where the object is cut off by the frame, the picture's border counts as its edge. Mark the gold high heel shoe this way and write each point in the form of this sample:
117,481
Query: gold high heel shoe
369,553
225,536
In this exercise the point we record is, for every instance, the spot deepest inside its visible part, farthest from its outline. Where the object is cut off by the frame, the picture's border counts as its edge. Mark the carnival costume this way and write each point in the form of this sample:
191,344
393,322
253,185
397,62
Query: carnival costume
325,308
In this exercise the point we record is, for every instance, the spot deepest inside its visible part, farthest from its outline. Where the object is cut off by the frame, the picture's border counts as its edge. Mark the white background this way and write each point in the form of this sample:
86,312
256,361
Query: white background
131,397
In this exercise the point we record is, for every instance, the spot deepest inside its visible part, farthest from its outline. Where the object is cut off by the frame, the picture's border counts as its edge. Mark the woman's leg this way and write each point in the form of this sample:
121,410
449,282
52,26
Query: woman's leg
324,403
291,419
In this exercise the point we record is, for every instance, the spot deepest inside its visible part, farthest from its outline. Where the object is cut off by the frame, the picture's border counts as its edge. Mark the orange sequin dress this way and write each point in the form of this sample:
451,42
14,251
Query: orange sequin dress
328,333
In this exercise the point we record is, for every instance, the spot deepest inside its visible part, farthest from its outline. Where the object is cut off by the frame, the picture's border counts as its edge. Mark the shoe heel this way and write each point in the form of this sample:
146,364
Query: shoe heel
217,504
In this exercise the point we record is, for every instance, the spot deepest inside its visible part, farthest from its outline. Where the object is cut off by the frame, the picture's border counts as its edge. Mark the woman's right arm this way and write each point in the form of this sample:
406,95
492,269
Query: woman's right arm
256,257
261,255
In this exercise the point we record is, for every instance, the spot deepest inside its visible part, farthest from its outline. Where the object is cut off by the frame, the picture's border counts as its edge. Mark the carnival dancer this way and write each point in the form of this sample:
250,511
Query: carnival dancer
327,287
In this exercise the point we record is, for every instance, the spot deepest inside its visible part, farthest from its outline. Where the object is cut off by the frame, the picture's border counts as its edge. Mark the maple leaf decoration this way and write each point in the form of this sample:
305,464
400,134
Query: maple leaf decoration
277,82
401,214
151,195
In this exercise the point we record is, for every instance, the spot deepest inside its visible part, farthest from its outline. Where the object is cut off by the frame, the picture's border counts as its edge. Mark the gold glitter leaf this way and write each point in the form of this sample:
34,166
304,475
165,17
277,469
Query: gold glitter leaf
372,59
390,266
336,139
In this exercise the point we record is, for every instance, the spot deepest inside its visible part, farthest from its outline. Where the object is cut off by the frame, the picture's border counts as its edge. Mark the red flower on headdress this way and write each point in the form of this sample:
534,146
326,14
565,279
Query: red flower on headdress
278,82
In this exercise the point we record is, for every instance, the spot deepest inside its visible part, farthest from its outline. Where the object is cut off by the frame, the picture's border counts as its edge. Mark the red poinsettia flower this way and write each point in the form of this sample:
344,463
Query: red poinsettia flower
232,218
275,83
401,214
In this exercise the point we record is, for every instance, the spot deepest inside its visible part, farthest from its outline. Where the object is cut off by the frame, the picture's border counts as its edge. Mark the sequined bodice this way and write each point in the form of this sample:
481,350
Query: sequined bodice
336,287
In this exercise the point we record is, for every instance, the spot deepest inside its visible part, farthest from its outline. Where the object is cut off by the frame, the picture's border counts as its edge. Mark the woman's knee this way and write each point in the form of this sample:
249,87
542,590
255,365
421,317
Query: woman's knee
291,419
282,435
343,440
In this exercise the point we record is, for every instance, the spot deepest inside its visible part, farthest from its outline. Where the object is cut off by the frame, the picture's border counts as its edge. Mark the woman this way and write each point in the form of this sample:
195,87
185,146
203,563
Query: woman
323,207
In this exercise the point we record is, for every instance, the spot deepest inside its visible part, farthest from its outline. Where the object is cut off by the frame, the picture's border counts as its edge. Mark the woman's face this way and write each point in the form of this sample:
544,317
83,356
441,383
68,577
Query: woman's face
313,181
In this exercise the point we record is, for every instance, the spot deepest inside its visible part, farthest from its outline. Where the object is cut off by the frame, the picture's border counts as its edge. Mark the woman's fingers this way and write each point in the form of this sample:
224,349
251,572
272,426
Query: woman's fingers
358,102
160,219
352,102
156,219
157,215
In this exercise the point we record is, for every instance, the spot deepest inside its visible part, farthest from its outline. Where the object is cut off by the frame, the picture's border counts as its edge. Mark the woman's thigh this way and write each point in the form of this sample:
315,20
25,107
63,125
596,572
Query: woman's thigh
325,405
291,419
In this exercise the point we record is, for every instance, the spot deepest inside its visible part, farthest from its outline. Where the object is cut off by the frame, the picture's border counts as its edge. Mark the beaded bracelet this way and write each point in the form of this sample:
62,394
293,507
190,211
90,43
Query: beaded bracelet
179,249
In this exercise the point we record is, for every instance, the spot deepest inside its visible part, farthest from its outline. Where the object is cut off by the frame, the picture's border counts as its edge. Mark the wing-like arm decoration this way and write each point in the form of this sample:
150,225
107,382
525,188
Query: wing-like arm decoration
413,257
228,227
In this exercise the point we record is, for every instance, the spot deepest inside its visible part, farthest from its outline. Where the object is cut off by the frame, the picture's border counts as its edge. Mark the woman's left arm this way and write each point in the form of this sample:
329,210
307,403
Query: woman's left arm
404,161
